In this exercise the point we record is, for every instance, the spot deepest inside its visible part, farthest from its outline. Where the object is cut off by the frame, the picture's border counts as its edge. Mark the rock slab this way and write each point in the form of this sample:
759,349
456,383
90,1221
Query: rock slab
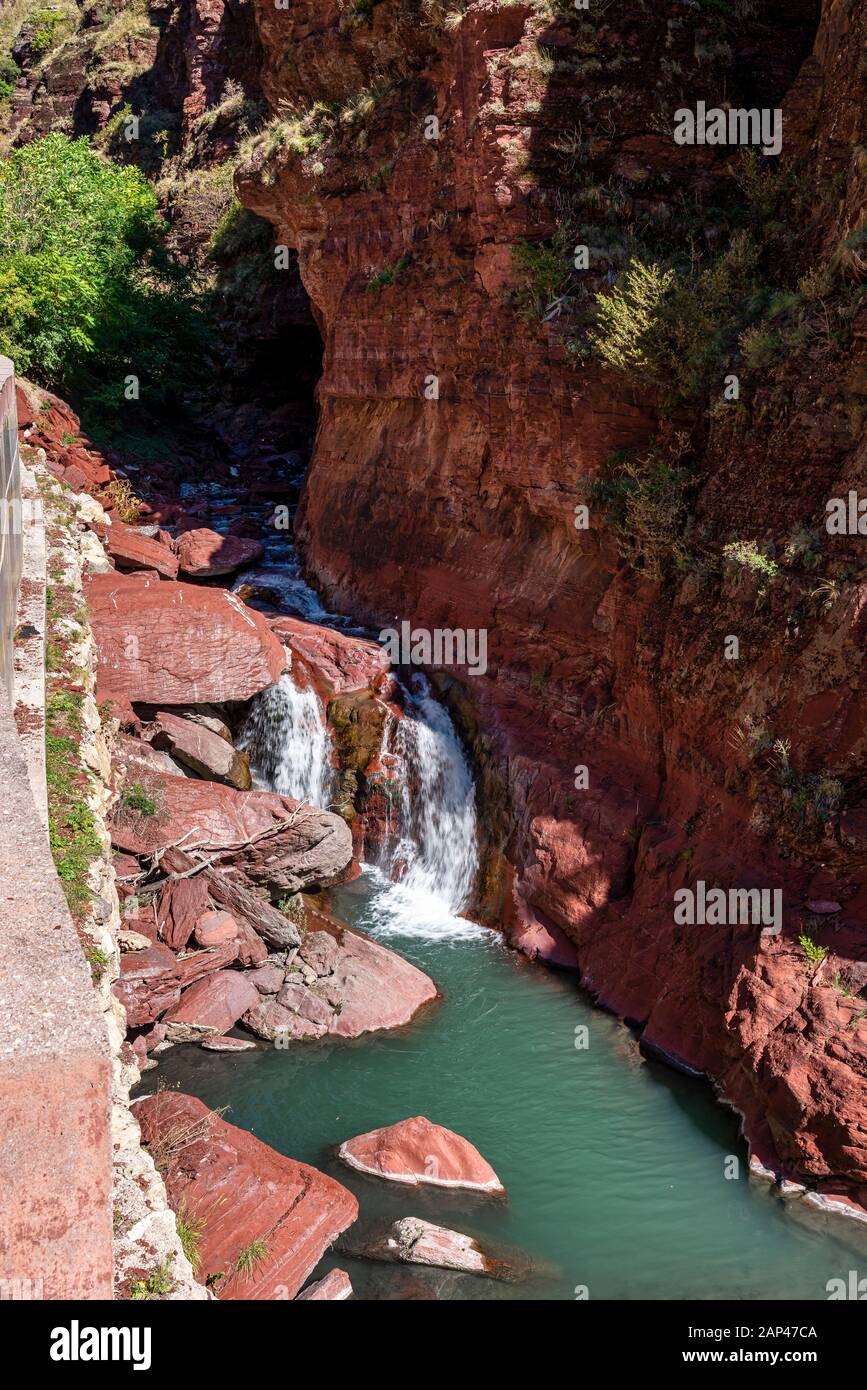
268,1214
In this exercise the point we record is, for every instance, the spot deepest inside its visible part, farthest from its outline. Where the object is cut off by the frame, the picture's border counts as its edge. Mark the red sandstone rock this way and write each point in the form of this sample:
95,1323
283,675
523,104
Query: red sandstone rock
170,643
205,554
340,665
334,1287
418,1152
376,987
130,550
215,929
148,984
461,515
212,1005
544,941
361,986
201,749
182,901
293,845
268,978
242,1191
194,965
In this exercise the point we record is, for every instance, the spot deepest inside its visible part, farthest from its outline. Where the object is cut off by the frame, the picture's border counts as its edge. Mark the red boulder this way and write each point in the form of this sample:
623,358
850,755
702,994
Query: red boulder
418,1152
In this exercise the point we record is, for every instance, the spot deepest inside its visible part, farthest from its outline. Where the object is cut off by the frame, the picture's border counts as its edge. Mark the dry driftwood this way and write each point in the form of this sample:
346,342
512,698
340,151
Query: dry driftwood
231,893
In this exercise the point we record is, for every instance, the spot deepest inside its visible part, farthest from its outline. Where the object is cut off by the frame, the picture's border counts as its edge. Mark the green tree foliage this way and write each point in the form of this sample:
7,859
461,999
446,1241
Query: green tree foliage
87,293
672,324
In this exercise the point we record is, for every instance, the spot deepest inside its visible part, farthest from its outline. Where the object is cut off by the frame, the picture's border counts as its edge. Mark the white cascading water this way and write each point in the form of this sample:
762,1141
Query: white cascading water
286,738
436,858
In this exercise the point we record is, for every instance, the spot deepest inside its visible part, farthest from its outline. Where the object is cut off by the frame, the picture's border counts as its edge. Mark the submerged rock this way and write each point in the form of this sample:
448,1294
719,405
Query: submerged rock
414,1241
415,1151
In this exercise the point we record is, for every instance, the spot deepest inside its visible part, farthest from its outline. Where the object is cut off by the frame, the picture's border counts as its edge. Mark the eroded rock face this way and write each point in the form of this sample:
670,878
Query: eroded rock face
459,512
418,1152
267,1220
170,643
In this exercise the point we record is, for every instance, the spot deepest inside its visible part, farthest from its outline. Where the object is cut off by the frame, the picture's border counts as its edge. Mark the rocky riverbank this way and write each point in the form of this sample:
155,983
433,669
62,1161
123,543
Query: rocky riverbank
217,930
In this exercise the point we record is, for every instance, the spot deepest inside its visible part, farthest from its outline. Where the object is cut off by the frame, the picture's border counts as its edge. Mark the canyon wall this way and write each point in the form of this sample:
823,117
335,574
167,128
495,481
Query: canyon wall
459,511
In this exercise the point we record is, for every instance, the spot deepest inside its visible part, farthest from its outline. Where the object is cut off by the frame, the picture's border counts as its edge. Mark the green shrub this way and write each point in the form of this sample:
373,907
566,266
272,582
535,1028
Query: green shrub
746,555
672,325
545,269
47,24
646,503
388,275
86,291
813,952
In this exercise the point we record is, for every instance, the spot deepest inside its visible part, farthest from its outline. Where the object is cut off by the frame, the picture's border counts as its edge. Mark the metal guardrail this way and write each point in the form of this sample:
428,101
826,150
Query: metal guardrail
11,540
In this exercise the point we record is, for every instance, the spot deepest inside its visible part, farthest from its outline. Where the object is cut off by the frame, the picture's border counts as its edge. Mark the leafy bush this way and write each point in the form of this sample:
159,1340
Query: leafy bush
545,270
46,25
672,324
812,951
747,555
86,290
646,502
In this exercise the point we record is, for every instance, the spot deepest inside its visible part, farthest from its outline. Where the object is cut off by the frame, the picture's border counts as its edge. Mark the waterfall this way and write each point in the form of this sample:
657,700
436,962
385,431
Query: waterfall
433,865
286,738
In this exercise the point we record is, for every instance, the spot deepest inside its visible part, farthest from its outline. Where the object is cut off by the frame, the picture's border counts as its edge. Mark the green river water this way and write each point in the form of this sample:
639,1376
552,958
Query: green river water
614,1165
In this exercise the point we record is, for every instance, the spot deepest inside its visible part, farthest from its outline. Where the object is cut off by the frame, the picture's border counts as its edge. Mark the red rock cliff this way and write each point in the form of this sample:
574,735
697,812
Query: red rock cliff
607,647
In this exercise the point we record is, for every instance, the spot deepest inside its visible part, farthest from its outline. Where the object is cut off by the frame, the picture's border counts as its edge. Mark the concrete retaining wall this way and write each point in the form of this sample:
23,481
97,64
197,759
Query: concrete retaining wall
55,1059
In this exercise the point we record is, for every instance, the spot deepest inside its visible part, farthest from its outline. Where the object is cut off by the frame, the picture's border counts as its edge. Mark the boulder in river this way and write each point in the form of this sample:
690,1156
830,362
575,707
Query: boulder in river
342,984
338,663
411,1240
266,1220
204,554
131,549
163,642
212,1005
415,1151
